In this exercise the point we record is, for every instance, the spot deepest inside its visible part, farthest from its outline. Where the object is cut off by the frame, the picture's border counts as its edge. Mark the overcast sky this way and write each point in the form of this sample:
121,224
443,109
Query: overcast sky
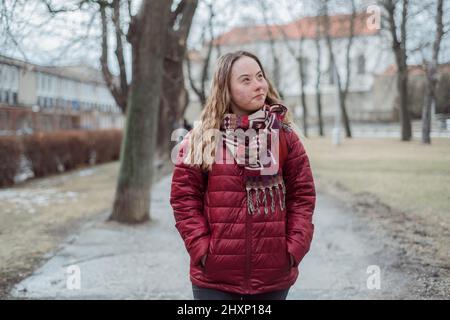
74,38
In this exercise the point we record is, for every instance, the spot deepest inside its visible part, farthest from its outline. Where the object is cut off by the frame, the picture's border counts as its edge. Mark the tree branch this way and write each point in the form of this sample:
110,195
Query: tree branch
119,51
179,9
107,76
53,11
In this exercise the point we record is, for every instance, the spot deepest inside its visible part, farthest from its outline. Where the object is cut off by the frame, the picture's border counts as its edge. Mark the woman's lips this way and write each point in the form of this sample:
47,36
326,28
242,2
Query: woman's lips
259,96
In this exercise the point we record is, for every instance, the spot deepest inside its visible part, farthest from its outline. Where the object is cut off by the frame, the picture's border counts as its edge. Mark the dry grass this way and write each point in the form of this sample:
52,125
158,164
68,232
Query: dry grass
408,176
38,214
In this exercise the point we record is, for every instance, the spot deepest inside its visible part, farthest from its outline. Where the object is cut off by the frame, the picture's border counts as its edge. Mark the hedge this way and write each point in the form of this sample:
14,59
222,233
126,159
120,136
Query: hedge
58,151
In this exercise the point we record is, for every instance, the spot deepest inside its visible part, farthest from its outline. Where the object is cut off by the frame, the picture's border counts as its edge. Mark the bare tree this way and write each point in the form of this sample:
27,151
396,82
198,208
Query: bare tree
109,11
118,90
271,37
174,96
301,60
431,69
7,37
342,87
318,36
152,101
400,52
200,90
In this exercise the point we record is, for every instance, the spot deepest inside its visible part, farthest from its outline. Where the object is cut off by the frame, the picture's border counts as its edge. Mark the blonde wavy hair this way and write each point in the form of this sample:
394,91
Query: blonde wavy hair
217,105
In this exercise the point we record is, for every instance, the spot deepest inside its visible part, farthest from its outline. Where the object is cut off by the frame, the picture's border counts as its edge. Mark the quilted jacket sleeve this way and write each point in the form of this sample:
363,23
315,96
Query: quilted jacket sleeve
186,199
300,198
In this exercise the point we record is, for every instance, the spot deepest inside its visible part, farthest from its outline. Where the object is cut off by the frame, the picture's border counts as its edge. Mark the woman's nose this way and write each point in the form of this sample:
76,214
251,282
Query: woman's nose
258,86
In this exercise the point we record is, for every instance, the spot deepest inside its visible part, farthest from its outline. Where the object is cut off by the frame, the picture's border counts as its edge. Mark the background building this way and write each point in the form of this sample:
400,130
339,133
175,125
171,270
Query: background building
37,98
372,94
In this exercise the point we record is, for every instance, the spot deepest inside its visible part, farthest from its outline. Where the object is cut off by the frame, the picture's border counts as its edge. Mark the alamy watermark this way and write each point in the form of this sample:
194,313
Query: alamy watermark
73,281
263,148
373,22
374,278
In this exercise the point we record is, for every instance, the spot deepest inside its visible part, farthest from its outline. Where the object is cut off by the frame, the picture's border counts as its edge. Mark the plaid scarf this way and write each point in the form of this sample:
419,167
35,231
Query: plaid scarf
263,177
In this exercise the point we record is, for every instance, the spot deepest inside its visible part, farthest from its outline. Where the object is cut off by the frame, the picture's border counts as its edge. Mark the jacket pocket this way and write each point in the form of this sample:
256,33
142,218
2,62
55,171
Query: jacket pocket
206,263
288,263
288,258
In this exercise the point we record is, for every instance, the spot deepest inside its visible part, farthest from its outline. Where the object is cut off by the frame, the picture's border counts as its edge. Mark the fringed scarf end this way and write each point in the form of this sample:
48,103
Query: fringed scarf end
274,185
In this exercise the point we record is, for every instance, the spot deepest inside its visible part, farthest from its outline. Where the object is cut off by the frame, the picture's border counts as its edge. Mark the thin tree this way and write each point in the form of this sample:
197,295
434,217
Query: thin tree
200,90
431,69
276,71
298,55
342,87
119,89
174,97
317,38
400,52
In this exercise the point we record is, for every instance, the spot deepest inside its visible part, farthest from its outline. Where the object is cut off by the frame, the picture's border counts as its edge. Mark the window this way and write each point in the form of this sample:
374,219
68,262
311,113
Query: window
305,65
331,75
361,64
11,98
43,82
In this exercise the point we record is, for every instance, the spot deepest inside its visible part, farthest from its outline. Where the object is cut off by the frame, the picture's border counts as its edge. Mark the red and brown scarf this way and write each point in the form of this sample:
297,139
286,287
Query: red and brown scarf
263,176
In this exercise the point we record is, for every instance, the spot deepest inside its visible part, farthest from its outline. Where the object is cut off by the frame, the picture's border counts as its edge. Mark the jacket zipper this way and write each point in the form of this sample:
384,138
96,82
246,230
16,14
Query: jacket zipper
248,250
248,242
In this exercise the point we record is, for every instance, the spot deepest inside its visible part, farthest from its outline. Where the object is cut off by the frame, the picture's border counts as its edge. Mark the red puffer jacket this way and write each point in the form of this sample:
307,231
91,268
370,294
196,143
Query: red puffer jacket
247,254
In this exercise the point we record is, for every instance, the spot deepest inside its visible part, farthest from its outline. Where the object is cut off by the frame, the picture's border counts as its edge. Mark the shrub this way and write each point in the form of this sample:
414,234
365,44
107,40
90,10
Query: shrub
10,151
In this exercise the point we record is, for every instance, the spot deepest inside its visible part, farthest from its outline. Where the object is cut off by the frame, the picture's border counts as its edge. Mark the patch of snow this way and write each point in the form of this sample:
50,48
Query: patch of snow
86,172
24,171
28,199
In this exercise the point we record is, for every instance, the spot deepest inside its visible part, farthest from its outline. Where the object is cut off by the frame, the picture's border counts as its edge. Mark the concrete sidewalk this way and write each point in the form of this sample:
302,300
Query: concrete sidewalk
149,261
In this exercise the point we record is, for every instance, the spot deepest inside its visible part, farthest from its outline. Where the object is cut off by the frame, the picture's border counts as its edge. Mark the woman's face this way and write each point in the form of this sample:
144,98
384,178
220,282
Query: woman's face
248,87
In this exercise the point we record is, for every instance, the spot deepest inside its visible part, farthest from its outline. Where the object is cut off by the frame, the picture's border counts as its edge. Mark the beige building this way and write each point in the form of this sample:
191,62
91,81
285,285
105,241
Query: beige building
372,94
36,98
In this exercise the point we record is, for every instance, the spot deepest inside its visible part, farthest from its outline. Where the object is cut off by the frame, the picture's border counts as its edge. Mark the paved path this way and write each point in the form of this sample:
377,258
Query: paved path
149,261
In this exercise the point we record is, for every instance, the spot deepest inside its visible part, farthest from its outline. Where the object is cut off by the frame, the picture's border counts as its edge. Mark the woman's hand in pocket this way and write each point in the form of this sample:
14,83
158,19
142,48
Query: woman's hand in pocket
203,260
292,260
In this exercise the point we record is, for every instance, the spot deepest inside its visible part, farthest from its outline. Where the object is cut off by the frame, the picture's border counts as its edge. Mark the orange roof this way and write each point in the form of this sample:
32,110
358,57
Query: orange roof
304,27
415,70
194,55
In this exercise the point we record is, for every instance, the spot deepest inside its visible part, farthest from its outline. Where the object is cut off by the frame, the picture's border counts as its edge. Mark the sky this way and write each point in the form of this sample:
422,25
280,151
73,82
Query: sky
74,38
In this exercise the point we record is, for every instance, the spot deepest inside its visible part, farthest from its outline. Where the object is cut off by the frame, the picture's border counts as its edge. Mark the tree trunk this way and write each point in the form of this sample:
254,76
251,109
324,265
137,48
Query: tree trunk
318,93
426,114
399,48
172,104
342,105
405,119
342,92
147,35
172,90
432,73
319,112
303,96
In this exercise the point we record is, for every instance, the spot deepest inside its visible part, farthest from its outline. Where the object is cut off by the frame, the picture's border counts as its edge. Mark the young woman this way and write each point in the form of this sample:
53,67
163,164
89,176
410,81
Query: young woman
246,223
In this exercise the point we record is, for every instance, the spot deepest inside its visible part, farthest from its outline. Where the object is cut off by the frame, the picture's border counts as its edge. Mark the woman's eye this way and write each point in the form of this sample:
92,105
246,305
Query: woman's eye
246,80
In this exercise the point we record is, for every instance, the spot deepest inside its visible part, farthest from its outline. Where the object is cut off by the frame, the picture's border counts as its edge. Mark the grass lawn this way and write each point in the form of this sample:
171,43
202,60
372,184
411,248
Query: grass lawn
37,214
407,176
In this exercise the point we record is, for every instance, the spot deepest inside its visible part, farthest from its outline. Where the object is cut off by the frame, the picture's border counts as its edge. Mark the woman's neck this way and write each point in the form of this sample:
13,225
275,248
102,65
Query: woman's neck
239,111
